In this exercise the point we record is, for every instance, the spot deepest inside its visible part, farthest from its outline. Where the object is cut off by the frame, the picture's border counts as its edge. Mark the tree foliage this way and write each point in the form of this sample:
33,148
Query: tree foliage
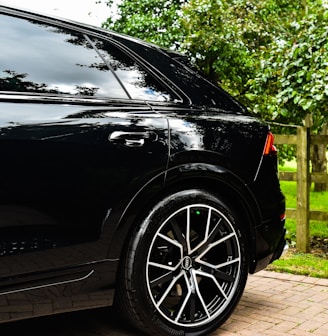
271,54
152,20
241,33
293,72
214,41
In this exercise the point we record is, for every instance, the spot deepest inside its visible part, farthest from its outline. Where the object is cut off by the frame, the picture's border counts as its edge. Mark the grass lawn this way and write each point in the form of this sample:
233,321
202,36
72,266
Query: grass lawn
301,263
315,263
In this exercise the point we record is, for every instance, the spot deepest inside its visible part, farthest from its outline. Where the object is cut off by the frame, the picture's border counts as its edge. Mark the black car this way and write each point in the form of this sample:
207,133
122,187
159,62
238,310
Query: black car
127,179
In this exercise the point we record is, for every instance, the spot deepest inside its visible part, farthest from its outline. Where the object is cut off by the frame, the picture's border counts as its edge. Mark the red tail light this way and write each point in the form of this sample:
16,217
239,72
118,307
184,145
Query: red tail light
270,148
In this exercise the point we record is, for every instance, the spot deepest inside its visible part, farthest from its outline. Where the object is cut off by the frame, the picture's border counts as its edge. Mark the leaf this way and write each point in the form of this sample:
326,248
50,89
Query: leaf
251,96
307,105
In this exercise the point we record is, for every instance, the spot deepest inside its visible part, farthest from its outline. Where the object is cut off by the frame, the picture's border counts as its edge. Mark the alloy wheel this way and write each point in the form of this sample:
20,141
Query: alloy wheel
193,265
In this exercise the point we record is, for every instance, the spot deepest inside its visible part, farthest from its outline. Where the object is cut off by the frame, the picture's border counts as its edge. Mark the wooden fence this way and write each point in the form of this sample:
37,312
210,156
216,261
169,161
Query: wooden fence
302,213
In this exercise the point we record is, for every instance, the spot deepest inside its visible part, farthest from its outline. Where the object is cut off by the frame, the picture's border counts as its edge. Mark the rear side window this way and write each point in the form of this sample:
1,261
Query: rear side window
43,59
198,89
137,82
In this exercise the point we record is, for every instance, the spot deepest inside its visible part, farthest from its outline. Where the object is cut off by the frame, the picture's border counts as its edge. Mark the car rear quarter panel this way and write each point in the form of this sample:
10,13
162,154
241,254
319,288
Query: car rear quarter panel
232,146
233,141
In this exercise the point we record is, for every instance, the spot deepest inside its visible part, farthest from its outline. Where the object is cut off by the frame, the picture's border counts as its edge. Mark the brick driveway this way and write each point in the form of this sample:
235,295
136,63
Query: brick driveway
273,304
280,304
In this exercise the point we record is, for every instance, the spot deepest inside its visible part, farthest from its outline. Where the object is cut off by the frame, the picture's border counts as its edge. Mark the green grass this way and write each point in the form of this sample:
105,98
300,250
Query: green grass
288,166
318,201
312,264
302,264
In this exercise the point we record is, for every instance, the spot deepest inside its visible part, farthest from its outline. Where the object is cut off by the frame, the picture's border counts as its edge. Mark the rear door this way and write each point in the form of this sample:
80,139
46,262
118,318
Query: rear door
76,142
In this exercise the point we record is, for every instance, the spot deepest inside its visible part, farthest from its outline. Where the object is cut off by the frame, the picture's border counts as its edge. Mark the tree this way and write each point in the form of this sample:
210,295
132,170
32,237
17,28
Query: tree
293,70
228,38
293,79
270,54
151,20
216,45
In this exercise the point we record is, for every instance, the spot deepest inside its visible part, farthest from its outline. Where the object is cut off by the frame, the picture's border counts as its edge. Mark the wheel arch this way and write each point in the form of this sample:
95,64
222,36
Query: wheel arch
213,179
228,187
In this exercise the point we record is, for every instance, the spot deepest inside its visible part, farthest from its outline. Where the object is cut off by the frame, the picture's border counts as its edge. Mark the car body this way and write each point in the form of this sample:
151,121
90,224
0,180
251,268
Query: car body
128,179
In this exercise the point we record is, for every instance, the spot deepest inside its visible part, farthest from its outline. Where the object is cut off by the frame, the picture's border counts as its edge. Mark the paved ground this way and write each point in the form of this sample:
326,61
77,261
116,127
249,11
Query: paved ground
280,304
273,304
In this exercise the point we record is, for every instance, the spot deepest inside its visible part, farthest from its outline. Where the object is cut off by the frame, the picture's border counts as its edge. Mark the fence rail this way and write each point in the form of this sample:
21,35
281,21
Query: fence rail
303,140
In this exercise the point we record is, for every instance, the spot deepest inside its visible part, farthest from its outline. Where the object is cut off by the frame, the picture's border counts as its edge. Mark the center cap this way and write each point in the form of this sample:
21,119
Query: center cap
186,263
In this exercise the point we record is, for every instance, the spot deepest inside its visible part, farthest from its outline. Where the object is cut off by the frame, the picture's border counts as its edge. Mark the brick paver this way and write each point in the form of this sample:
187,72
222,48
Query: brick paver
273,304
280,304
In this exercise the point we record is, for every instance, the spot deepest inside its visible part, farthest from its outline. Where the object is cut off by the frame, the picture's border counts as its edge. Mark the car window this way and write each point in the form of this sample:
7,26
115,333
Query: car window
42,58
138,82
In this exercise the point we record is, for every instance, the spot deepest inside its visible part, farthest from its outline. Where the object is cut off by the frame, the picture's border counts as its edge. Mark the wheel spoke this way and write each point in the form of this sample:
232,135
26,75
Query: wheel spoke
228,263
200,297
171,241
166,267
215,282
210,246
188,230
219,275
209,238
162,279
168,289
216,267
186,299
179,235
192,307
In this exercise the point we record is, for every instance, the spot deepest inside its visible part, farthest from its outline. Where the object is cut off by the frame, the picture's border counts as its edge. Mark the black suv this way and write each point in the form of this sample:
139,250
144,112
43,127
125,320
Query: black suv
127,178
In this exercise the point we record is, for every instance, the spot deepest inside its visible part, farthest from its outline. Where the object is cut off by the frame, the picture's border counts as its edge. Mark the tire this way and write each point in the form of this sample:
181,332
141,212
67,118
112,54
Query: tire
185,267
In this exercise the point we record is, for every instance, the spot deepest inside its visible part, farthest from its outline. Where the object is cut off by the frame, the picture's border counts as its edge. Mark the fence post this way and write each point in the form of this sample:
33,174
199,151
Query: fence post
303,187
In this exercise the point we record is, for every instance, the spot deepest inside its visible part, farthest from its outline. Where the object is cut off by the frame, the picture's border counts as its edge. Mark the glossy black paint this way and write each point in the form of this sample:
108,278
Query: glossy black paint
79,167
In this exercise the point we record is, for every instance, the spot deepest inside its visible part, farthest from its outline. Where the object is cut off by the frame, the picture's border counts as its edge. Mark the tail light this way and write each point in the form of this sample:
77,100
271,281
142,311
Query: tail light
270,148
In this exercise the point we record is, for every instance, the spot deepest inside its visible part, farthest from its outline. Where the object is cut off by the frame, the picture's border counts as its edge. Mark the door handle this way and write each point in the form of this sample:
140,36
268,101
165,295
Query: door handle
132,139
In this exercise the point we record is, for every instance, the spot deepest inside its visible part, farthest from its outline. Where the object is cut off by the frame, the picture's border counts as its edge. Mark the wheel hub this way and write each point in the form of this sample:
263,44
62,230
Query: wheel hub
186,263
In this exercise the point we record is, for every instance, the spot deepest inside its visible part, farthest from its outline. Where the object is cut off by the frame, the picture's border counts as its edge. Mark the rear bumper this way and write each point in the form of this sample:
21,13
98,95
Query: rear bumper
270,232
265,261
270,245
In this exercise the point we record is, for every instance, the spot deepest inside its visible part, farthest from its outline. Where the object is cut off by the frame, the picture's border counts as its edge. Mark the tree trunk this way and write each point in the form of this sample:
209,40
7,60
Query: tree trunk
319,161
